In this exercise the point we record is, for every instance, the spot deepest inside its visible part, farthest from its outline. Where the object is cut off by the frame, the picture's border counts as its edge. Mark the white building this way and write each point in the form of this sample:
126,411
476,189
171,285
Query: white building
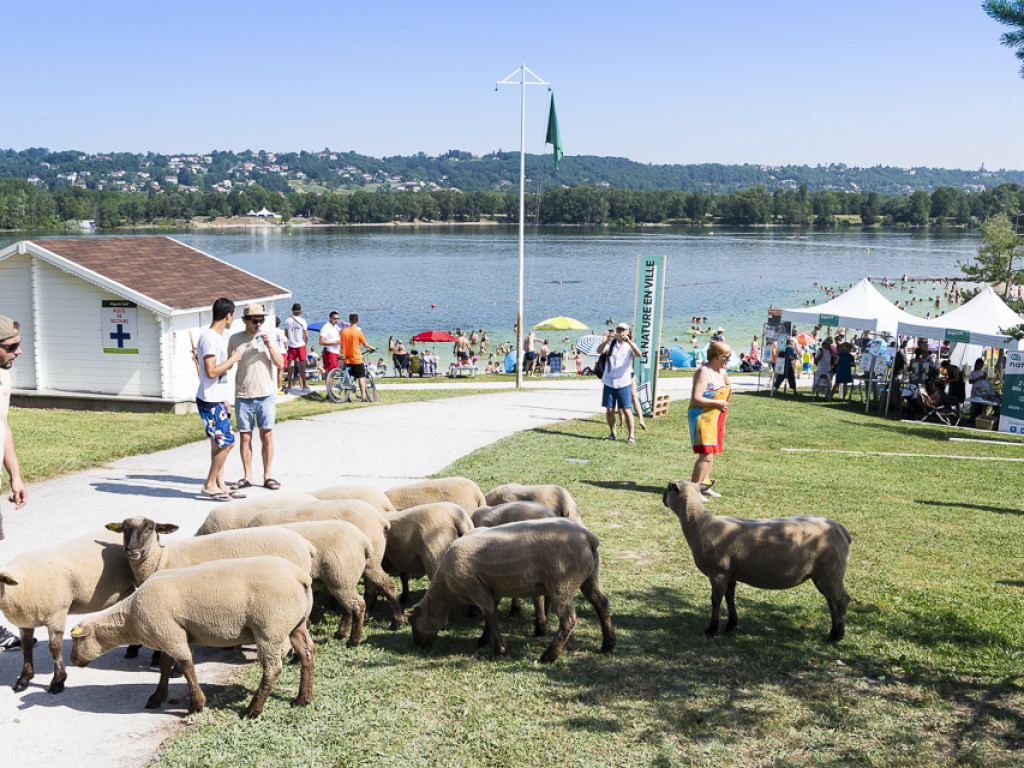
110,321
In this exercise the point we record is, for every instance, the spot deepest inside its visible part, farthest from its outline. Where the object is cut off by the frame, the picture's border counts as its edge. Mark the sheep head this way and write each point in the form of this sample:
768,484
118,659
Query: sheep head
423,634
683,498
84,647
140,535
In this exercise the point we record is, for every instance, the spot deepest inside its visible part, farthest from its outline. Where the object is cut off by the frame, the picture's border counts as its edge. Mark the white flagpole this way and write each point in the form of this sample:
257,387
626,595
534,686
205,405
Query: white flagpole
522,71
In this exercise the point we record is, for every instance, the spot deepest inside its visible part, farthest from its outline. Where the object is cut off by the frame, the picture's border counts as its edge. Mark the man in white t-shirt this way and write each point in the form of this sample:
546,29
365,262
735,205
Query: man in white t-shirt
330,340
297,333
618,378
214,396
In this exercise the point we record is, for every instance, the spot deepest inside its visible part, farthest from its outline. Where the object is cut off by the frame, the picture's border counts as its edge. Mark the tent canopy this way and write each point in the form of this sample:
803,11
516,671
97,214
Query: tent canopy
861,307
979,321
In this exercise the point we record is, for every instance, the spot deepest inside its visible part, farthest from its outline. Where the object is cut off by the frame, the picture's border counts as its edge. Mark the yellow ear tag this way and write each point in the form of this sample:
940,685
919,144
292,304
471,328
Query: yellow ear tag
76,631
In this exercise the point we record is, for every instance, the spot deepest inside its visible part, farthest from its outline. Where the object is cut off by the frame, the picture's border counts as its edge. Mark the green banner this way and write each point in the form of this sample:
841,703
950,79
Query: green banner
952,334
828,319
650,291
1011,414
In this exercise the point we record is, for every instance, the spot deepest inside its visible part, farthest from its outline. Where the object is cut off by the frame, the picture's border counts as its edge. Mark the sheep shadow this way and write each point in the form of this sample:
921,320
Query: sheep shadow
962,505
626,485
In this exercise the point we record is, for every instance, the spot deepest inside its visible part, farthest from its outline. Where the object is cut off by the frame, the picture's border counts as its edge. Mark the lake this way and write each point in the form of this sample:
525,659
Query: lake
403,281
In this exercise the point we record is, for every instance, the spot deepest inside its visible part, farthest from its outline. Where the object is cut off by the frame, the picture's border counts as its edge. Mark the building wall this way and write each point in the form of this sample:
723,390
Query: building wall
16,303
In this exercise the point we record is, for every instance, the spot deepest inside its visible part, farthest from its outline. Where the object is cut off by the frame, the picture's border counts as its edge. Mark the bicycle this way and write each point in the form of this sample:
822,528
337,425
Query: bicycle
341,386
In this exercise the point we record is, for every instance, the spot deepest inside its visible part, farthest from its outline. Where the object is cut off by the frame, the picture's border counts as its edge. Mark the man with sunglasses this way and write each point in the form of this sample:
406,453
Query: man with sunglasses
256,391
10,348
213,396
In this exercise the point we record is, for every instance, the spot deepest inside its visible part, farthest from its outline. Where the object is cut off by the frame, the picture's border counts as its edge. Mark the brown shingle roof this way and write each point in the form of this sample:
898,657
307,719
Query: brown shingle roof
167,271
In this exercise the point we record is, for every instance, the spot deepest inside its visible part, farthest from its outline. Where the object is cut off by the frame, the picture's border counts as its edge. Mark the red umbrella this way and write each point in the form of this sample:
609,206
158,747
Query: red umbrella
433,336
805,339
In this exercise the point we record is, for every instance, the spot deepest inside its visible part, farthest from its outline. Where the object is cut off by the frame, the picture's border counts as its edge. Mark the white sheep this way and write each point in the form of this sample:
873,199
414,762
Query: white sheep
554,497
372,496
456,490
224,603
527,559
40,588
342,553
237,514
419,537
768,554
510,512
366,519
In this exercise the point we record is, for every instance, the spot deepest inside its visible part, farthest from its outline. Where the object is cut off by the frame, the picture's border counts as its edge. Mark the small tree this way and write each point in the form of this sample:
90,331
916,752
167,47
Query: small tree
1000,247
1010,13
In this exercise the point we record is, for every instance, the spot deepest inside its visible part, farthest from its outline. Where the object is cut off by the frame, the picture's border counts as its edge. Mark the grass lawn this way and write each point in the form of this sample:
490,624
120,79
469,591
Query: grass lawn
929,673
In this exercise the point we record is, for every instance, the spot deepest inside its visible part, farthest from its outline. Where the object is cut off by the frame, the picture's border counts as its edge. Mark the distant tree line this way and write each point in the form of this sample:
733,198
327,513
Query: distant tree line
26,206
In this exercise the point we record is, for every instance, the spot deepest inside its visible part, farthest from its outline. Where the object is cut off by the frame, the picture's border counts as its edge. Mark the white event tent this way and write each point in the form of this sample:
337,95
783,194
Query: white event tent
862,307
979,321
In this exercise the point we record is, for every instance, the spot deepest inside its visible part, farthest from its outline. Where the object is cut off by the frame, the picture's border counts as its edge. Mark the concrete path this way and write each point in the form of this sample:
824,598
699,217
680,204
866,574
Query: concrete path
99,719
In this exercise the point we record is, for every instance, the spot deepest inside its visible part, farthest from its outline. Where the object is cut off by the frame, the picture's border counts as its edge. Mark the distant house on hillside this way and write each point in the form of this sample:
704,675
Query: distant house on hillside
109,322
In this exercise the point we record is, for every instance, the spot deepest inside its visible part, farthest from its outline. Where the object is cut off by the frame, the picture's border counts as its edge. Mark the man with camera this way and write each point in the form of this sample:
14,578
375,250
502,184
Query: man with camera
618,378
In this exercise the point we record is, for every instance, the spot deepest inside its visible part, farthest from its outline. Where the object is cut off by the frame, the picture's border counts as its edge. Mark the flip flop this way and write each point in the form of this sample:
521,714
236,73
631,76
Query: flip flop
243,483
631,441
611,437
235,495
271,483
212,496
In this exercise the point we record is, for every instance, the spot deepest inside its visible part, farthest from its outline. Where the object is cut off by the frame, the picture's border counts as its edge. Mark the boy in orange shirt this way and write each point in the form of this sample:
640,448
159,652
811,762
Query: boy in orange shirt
352,344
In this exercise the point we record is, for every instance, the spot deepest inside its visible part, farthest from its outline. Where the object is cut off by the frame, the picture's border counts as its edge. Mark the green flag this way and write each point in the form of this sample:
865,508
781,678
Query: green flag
554,137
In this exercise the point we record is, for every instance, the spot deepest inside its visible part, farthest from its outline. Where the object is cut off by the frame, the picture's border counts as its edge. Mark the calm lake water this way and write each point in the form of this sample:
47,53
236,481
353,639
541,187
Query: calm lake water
392,277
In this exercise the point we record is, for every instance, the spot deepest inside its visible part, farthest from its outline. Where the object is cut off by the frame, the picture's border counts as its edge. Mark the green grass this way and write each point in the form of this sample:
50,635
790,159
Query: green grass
929,672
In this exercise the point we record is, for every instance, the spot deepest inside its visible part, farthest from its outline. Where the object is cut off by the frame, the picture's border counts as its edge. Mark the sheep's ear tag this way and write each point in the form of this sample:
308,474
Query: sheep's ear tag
115,527
6,579
166,528
76,632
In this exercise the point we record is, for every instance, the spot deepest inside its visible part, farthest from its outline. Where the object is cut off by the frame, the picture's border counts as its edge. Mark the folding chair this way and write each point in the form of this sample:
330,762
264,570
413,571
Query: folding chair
943,413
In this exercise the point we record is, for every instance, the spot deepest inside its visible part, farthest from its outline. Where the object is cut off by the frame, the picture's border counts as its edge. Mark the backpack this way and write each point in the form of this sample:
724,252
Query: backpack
602,360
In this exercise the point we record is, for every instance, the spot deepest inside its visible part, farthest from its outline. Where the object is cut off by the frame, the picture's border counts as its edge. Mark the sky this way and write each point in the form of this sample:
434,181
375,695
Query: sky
878,82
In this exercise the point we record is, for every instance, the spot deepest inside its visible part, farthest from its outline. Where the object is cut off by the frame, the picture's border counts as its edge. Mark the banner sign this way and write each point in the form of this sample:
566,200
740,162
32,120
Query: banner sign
954,335
650,293
828,319
1011,414
119,327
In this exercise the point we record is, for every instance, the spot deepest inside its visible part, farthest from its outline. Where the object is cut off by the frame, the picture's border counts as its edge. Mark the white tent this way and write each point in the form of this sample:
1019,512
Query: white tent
979,321
861,307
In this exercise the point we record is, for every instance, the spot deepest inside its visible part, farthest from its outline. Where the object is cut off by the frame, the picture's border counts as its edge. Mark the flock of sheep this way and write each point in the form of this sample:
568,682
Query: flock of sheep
266,557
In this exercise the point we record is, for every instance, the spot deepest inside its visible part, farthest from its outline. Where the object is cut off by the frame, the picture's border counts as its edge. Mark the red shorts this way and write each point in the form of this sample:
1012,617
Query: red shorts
296,353
331,360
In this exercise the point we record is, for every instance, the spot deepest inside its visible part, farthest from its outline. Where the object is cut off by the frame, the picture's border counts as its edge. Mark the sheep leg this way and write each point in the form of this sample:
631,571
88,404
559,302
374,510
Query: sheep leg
566,613
491,628
592,591
132,651
271,671
305,651
730,601
540,616
838,602
27,668
717,592
383,584
404,597
196,698
353,614
60,674
160,694
516,607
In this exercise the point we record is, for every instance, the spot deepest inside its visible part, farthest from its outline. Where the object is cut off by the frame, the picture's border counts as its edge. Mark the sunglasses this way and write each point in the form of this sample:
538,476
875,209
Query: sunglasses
255,319
10,347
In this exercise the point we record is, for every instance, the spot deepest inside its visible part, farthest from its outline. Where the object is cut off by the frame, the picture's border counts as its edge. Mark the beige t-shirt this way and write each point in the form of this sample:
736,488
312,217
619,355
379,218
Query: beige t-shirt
5,404
255,375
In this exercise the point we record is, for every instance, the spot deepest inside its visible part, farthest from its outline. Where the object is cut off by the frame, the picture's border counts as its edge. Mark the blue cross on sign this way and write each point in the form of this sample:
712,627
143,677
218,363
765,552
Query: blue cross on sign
121,336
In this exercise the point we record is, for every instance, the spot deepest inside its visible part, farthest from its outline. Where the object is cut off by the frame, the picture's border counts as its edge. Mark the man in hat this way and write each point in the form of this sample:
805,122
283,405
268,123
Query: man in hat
256,391
213,396
10,348
618,378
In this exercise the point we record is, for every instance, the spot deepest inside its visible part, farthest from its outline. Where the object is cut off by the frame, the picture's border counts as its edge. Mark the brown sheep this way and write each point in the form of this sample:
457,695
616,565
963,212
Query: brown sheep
419,537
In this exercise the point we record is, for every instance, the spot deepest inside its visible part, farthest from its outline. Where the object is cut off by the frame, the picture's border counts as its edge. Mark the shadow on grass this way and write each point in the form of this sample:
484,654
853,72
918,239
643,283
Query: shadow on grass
563,433
978,507
626,485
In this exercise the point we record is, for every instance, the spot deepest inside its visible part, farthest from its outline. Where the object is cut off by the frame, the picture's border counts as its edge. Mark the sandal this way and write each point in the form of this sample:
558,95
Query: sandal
203,494
611,437
235,495
271,483
243,483
631,441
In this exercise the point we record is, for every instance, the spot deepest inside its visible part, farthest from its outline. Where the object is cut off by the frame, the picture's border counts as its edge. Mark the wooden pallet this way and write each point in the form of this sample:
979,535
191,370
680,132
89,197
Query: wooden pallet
661,406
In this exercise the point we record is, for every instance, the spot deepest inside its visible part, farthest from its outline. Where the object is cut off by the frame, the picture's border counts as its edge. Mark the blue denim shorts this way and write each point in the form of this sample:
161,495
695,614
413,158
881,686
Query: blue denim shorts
621,397
217,422
258,410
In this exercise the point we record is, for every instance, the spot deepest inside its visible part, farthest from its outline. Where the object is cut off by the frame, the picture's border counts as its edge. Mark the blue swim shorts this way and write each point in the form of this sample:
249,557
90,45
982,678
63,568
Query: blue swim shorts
217,422
621,397
258,410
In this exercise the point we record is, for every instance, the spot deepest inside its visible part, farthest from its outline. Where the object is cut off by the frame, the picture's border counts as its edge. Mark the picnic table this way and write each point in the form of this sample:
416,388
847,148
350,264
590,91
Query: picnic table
455,371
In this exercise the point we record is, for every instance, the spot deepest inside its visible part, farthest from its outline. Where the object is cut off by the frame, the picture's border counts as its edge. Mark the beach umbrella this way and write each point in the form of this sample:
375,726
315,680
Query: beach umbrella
316,326
805,339
587,345
433,336
560,324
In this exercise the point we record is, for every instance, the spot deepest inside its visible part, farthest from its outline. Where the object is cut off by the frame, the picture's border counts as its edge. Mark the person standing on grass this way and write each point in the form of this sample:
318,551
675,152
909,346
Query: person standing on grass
709,401
213,396
618,378
255,393
330,340
10,348
787,373
296,330
352,344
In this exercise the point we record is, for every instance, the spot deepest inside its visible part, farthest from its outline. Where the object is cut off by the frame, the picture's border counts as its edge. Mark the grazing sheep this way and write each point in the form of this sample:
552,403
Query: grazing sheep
554,497
342,554
265,600
419,537
237,514
366,519
527,559
456,490
372,496
510,512
769,554
40,588
147,554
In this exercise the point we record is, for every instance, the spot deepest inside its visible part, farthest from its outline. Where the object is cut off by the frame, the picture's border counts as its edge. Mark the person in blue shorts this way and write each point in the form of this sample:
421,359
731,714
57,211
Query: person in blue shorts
618,378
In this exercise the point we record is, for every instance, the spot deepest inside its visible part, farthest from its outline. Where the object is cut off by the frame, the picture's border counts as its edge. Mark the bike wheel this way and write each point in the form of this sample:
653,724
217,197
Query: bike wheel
371,389
336,389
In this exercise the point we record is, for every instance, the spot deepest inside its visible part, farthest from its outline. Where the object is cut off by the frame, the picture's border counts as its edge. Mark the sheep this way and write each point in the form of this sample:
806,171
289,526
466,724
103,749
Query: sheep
223,603
554,497
510,512
372,496
768,554
419,537
366,519
40,588
237,514
147,554
342,554
457,490
525,559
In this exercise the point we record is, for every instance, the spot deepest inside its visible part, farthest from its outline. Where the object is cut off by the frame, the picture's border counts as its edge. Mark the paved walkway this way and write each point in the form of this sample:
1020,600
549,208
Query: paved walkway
99,719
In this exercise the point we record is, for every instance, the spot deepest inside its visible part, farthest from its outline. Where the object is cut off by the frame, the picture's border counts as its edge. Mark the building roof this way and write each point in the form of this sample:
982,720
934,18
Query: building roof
160,273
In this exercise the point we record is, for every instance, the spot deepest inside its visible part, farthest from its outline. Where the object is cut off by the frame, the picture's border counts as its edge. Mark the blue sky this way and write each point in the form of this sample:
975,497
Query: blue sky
891,82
